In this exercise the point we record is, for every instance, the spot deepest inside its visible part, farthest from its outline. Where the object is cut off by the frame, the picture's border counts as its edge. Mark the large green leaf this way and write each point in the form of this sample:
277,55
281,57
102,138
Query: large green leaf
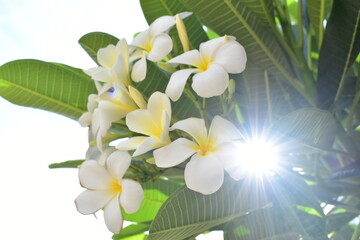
340,47
93,41
187,213
236,18
309,126
317,12
48,86
156,8
155,194
264,10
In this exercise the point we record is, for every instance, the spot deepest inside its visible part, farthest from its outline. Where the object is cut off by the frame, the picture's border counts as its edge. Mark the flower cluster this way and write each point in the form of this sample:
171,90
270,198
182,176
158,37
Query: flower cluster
154,130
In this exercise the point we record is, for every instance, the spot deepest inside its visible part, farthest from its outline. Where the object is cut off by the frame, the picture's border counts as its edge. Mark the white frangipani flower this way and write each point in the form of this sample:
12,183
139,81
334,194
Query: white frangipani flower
153,122
106,188
114,105
114,69
153,44
204,172
216,58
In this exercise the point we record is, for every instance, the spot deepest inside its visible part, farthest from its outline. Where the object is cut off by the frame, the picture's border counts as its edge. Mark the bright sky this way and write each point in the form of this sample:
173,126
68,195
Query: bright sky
37,203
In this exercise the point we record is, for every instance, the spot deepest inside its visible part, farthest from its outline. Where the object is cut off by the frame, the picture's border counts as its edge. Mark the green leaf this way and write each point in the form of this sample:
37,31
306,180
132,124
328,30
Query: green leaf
340,47
263,9
155,194
211,34
93,41
67,164
156,8
236,18
132,232
187,213
53,87
309,126
317,12
309,210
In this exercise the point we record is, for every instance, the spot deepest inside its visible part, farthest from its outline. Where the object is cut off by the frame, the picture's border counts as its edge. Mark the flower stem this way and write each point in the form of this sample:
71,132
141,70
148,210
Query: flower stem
199,106
356,234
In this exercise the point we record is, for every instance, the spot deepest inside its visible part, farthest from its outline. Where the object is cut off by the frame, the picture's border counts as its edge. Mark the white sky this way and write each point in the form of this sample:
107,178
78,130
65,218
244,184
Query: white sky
37,203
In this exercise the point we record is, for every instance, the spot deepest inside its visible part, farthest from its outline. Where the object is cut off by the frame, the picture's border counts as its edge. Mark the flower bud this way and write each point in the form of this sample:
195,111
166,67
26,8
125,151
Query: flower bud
180,26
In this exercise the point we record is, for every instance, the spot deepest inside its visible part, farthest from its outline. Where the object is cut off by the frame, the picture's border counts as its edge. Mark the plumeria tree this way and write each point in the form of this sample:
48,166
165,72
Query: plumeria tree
223,115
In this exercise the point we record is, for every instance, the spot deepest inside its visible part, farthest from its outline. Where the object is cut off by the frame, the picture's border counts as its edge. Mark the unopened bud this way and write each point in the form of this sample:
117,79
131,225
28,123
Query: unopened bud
180,26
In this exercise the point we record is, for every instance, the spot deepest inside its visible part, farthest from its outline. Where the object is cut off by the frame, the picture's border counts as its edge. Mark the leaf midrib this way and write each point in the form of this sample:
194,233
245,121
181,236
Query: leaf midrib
78,110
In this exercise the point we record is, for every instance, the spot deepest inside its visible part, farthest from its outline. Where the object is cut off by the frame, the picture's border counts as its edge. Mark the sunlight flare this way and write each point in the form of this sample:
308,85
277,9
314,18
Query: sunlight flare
258,156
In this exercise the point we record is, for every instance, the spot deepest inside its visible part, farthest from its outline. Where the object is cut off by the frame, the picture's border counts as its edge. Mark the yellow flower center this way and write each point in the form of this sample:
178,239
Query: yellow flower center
115,186
206,147
204,65
148,47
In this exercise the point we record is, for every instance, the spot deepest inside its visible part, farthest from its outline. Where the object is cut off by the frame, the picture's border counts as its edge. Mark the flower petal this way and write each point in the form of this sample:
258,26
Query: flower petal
112,215
204,174
107,56
157,104
130,144
111,112
183,15
91,201
102,74
142,40
231,56
93,70
104,155
131,196
162,24
137,97
141,121
85,119
165,123
94,176
121,70
223,130
230,160
95,121
193,126
192,57
177,83
138,53
174,153
122,47
207,49
92,102
139,69
150,143
212,82
161,46
117,163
